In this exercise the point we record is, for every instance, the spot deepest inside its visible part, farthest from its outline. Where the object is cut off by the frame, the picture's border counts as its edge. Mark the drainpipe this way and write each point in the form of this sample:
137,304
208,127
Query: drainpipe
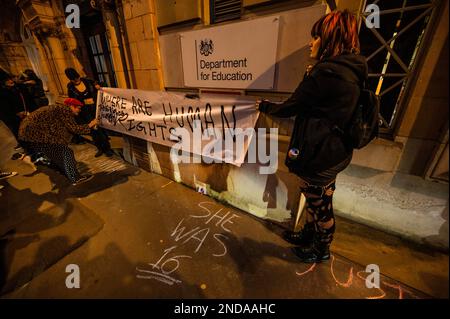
119,19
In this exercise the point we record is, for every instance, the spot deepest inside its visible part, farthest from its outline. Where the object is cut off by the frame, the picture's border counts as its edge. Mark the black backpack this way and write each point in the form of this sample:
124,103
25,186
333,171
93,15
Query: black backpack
363,126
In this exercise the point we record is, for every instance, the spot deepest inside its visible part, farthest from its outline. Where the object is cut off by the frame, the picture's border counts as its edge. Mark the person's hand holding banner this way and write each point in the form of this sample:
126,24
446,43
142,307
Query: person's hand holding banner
93,124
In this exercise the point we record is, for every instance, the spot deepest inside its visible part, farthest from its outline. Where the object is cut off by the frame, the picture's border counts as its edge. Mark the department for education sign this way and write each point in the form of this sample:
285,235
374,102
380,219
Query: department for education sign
240,55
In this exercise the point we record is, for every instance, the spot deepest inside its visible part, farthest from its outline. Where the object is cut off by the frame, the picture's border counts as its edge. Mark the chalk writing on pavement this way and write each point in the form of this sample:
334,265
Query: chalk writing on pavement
212,225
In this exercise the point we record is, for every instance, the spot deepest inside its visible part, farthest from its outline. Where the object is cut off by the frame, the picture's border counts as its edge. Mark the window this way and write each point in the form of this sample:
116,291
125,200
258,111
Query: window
101,55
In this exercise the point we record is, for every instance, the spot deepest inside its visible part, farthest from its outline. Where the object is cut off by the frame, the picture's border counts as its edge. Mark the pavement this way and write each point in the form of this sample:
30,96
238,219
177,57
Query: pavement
135,234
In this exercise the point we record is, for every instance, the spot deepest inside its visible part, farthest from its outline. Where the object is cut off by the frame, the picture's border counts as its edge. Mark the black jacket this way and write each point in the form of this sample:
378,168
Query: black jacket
37,92
88,97
89,93
329,92
14,100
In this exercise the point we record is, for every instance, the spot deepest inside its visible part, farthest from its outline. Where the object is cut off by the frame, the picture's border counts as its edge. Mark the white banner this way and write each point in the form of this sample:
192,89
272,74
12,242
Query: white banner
239,55
214,126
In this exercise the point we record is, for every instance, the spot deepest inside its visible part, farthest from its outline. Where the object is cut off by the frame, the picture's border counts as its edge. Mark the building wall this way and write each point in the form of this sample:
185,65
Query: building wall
292,54
141,42
13,57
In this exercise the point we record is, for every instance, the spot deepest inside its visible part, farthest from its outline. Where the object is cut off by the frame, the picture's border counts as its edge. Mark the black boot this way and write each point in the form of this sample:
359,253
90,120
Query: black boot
302,237
109,153
99,153
314,253
319,250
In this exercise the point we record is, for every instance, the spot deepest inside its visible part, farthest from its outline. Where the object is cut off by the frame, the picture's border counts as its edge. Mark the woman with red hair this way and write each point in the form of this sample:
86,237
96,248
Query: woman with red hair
323,105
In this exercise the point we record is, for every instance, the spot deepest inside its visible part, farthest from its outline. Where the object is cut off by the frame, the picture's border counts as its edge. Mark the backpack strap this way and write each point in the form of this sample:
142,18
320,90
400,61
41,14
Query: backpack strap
343,76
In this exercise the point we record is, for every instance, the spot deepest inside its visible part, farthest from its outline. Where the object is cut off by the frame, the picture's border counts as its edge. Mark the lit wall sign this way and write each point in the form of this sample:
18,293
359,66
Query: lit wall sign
239,55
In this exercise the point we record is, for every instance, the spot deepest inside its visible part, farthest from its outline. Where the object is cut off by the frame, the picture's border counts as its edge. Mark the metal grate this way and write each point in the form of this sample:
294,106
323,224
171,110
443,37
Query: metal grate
223,10
392,51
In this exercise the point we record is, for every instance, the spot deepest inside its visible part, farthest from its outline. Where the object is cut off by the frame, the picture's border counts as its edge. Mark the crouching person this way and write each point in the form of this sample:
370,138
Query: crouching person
49,130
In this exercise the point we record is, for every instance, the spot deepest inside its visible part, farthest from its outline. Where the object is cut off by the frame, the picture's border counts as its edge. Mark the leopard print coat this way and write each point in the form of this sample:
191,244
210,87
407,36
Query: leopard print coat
52,124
